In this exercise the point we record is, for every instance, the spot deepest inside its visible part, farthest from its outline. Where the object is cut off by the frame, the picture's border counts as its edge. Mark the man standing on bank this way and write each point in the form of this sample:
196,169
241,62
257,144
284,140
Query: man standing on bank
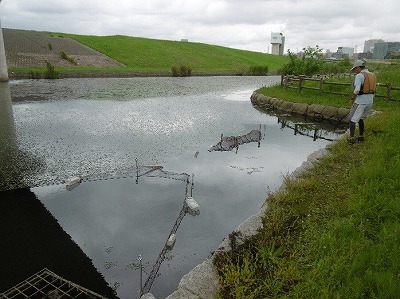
361,99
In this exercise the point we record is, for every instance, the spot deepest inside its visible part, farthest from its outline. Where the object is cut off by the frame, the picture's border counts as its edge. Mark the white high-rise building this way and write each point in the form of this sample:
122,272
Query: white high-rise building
278,43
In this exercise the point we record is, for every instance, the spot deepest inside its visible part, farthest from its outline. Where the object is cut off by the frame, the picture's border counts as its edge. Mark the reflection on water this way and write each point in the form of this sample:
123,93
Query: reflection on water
15,163
230,142
307,126
8,146
190,206
97,130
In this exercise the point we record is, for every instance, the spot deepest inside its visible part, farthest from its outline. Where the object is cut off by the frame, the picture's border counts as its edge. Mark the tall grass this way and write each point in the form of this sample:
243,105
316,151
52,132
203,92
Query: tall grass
50,72
335,231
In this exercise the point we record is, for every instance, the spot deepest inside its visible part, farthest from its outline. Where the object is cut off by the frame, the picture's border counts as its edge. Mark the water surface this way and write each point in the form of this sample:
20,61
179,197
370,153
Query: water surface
101,129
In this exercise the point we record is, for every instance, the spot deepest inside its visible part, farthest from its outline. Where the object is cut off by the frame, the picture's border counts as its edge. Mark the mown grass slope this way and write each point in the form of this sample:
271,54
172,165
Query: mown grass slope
144,54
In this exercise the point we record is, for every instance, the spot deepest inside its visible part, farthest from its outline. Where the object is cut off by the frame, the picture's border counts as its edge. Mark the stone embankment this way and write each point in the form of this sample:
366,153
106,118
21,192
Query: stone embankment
313,111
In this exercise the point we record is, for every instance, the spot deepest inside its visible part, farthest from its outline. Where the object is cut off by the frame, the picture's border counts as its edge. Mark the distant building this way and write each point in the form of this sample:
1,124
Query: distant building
384,50
367,55
394,55
370,44
343,52
278,43
347,51
328,54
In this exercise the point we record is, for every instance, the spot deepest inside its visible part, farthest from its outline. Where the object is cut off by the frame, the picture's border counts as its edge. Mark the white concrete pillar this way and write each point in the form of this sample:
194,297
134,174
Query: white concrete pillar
3,63
8,144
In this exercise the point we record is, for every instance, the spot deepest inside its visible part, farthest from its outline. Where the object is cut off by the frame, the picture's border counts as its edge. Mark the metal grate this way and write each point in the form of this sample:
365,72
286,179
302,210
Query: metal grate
46,284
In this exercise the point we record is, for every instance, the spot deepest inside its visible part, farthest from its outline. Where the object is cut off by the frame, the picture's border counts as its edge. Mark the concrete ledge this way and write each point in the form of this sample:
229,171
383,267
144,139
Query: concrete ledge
199,283
202,281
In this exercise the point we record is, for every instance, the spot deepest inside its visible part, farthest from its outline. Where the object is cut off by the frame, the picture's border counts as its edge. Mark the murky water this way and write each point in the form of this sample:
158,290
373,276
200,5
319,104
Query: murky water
101,129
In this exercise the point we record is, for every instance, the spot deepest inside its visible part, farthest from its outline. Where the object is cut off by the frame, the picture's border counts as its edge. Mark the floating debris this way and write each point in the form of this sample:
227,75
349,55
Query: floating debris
231,142
72,183
171,241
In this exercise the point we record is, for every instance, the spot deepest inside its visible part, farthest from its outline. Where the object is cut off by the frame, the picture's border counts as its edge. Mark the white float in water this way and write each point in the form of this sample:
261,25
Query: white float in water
192,207
171,241
73,182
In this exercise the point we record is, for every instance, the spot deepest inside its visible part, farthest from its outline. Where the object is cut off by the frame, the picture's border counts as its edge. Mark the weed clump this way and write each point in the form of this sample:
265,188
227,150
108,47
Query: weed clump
68,58
34,74
258,70
182,71
50,72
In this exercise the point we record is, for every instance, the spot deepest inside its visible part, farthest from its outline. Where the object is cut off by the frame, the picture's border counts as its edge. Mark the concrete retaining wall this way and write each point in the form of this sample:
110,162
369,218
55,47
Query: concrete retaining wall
314,111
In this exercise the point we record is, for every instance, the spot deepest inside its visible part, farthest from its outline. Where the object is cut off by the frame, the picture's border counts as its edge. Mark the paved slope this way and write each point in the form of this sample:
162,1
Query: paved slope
26,48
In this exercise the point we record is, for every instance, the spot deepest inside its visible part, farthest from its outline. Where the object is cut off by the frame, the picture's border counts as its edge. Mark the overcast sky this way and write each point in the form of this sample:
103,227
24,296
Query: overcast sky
241,24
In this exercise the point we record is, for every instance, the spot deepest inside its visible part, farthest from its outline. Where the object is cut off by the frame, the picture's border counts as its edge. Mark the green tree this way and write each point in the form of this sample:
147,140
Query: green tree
346,63
309,64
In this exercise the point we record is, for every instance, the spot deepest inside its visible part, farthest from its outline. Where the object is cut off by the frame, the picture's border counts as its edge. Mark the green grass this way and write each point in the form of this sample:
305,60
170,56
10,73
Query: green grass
335,231
385,74
144,54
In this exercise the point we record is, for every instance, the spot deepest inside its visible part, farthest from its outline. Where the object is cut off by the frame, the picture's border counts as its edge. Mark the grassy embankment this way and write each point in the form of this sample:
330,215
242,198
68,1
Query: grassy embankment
335,232
151,55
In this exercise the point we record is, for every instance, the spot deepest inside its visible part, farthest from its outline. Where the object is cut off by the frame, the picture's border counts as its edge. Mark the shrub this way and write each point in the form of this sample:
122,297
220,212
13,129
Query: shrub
182,71
331,68
35,74
241,69
68,58
175,71
310,63
50,72
258,70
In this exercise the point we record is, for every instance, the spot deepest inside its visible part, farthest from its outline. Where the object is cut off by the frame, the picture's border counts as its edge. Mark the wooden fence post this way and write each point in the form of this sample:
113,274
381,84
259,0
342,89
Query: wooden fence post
301,77
352,86
321,84
388,92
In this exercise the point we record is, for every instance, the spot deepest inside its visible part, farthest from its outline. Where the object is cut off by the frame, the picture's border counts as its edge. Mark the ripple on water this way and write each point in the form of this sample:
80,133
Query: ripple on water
97,126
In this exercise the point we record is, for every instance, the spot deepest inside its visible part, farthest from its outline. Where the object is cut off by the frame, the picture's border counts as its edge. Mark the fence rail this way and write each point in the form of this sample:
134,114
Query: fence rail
298,82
